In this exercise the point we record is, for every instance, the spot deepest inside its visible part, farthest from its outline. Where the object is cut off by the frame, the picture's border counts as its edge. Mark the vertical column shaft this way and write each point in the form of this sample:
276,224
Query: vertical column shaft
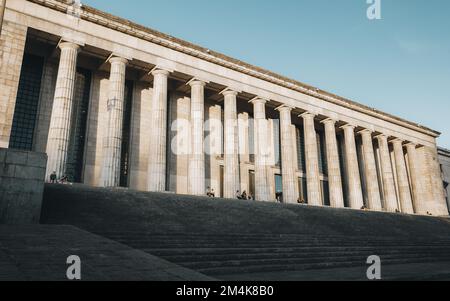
312,161
402,178
287,156
2,13
260,147
387,175
158,146
414,170
370,169
60,122
354,179
196,172
231,147
112,142
334,169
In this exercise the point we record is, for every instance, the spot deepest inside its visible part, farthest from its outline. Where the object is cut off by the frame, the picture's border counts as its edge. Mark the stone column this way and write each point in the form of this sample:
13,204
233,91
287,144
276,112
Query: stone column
334,169
370,169
196,166
260,148
387,175
402,178
112,142
158,133
2,13
60,122
312,160
351,158
414,171
288,165
231,145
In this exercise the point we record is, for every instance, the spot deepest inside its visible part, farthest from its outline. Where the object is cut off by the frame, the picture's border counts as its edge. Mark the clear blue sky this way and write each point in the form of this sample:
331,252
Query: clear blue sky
400,64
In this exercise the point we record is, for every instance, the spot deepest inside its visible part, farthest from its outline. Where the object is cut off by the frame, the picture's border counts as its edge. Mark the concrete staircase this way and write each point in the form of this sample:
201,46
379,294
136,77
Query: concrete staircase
227,237
246,253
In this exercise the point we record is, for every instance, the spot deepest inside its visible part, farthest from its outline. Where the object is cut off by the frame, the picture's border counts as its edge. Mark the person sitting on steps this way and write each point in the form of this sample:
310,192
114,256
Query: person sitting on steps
64,179
238,195
244,195
300,200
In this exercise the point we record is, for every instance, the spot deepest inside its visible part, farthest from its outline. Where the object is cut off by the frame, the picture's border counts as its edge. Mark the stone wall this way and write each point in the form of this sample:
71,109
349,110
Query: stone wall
22,176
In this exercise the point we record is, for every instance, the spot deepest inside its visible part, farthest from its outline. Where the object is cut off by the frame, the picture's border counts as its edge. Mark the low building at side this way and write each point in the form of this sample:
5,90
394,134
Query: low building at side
113,103
444,160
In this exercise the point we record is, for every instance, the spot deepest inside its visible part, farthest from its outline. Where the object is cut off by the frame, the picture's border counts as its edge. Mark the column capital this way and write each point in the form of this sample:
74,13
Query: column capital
229,92
284,108
117,59
163,71
365,132
197,82
329,121
348,127
397,141
69,45
381,137
411,144
258,99
307,115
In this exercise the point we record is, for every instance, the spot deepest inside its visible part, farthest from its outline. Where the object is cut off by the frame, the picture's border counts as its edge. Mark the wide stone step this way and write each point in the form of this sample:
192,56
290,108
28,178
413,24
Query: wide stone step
265,250
257,238
283,255
245,244
230,270
305,260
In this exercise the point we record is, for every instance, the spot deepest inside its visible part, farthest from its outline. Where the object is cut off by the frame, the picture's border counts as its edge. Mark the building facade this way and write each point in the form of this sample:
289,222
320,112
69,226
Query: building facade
113,103
444,160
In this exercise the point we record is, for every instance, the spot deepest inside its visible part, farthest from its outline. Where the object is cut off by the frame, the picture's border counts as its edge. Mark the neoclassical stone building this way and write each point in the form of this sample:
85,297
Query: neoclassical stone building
113,103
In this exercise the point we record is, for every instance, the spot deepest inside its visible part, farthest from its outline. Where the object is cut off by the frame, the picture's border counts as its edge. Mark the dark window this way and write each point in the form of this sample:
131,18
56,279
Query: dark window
27,102
341,151
303,189
251,139
325,193
251,179
322,154
300,149
126,128
277,141
278,183
221,181
80,107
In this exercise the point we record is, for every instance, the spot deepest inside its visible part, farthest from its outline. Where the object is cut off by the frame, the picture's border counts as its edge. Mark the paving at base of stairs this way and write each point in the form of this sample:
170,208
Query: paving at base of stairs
39,253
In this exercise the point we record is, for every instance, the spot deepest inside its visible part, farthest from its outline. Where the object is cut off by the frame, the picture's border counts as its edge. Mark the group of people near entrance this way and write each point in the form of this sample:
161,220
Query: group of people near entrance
243,195
240,196
54,178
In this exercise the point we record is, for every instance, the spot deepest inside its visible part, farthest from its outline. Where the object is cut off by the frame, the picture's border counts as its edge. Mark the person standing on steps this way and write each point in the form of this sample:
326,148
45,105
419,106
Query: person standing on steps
208,191
53,177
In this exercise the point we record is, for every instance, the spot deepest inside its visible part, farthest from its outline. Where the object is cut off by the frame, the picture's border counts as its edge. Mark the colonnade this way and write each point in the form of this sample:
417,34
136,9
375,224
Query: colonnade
408,181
